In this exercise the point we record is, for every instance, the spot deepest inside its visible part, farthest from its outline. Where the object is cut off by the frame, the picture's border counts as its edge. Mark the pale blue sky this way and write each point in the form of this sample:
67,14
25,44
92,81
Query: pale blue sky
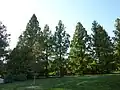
15,14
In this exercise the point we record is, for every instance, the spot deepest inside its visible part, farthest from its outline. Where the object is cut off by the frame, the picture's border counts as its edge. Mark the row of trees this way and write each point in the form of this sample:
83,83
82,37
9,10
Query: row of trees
41,52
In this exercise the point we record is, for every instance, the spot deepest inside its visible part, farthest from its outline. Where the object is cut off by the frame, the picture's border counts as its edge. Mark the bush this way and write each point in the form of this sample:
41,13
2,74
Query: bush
20,77
8,78
30,75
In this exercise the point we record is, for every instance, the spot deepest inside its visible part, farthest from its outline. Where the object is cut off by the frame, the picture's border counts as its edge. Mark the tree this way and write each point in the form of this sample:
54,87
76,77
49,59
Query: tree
48,42
61,45
4,43
117,42
78,50
29,47
1,67
18,61
102,48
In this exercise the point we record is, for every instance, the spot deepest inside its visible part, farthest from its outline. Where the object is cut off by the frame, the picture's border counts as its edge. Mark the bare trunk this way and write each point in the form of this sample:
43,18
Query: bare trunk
61,62
34,81
46,71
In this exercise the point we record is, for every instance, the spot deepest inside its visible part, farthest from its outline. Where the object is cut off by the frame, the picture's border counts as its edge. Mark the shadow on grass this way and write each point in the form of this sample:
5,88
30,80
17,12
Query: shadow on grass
96,82
58,89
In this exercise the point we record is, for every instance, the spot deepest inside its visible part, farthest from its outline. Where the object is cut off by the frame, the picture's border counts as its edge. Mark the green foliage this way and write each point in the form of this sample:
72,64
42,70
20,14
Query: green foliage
1,67
17,61
47,49
28,50
8,78
117,42
40,53
102,48
78,50
61,45
4,43
20,77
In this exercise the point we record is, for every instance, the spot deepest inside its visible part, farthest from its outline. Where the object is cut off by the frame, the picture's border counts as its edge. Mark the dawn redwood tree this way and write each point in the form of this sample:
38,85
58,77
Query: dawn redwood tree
61,45
102,48
78,50
48,43
117,42
18,61
4,43
29,46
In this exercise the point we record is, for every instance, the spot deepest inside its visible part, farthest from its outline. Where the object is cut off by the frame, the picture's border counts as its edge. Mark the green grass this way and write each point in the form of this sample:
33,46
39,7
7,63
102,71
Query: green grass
100,82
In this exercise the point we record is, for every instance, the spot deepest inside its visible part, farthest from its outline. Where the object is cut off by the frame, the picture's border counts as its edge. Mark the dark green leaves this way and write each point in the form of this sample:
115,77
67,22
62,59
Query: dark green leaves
61,45
4,40
102,48
78,50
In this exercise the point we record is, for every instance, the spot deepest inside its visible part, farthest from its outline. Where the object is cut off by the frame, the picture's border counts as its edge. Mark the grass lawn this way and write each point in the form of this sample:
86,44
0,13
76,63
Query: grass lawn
100,82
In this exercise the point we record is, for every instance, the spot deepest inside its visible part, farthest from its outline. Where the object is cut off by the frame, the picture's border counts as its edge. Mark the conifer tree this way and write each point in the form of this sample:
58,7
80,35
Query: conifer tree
117,43
4,43
78,50
102,48
61,45
48,43
29,48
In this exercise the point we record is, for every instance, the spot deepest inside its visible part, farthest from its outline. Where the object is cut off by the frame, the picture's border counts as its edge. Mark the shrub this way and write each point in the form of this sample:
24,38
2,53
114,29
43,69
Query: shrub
30,75
8,78
20,77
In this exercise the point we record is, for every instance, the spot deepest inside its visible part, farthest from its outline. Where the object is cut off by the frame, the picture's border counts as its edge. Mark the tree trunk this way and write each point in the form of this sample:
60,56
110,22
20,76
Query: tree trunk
46,67
61,72
61,62
34,81
46,71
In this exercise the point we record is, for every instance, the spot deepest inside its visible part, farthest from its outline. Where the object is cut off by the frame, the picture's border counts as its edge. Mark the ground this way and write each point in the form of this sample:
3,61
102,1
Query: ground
96,82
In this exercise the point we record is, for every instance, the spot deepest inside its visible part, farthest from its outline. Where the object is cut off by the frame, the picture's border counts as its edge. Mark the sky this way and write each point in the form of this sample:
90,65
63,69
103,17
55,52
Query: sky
15,14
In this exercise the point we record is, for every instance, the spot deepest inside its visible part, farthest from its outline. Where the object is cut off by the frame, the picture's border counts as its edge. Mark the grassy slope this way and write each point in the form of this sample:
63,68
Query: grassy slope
105,82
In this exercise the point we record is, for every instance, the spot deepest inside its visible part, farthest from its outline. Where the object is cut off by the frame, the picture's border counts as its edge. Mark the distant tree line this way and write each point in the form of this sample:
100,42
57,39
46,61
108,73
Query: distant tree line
39,52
